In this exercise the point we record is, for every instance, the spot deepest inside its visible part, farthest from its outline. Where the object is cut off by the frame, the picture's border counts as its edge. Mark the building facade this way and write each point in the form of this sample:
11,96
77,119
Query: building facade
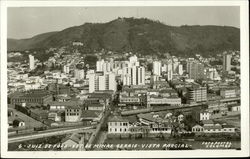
197,94
102,82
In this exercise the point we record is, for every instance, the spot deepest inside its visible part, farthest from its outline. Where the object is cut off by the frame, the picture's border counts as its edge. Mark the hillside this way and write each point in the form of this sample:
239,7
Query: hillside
138,35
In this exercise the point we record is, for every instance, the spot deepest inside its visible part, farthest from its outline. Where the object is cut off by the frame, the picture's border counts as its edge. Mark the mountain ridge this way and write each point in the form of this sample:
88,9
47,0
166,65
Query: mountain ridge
137,35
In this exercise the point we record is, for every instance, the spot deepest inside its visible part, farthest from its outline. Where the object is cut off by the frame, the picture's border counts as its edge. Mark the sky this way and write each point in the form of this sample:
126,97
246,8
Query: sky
26,22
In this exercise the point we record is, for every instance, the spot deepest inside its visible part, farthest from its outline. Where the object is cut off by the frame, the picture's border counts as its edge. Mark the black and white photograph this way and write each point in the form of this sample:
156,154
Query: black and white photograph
125,78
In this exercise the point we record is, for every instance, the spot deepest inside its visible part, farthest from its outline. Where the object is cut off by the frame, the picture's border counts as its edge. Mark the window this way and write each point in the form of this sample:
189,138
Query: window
110,124
120,129
120,124
115,124
125,130
110,129
115,130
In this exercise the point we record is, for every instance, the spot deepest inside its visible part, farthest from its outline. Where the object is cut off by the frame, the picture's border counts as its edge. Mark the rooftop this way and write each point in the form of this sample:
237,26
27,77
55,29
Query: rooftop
90,113
118,119
67,103
74,137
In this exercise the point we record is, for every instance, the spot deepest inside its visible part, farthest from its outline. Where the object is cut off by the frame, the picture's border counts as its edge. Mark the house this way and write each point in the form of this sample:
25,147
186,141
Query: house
72,142
117,125
157,124
228,128
72,114
213,128
197,128
234,108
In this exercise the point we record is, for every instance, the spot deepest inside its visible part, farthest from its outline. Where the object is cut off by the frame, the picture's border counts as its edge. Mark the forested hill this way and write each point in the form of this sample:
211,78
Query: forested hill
137,35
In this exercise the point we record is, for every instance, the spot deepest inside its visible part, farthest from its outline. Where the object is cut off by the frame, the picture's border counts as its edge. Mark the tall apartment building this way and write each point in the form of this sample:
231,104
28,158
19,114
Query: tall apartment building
197,94
133,60
99,82
79,74
103,66
66,69
195,70
169,71
227,62
133,75
157,68
180,69
31,62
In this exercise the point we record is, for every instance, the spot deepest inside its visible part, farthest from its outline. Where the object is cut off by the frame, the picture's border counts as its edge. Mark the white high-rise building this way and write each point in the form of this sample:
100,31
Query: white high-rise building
66,69
104,66
212,74
164,68
134,75
140,76
157,68
111,82
175,66
169,71
31,62
99,65
227,62
180,69
133,60
102,82
92,82
79,74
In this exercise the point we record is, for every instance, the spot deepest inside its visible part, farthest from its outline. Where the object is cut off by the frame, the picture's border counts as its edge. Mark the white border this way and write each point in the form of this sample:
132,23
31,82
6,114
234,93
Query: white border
244,33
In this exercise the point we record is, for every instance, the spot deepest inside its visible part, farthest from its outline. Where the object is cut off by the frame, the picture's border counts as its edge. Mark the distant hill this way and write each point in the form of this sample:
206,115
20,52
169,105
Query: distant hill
137,35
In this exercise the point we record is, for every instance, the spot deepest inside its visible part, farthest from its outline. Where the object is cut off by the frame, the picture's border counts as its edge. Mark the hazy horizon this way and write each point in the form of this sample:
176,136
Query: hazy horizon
24,22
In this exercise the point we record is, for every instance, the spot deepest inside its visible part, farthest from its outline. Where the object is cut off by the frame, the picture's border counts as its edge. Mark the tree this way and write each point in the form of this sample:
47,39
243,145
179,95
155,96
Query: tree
90,60
16,123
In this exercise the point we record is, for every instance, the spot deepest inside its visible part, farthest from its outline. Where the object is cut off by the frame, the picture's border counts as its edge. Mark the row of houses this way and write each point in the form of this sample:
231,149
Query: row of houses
210,127
149,123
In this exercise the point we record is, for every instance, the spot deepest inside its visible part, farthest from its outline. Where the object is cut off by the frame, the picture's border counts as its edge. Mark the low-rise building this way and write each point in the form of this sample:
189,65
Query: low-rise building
228,93
31,97
210,127
73,142
205,115
118,125
197,94
72,114
197,128
158,100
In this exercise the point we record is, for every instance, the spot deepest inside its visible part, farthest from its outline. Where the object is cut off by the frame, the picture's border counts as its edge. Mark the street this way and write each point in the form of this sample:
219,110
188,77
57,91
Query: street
46,134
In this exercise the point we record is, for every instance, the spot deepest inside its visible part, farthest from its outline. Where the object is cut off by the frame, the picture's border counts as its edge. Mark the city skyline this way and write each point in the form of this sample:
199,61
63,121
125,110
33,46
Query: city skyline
37,20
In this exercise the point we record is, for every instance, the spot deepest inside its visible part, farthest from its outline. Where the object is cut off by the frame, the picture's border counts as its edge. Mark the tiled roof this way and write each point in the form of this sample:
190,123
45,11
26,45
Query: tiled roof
67,103
213,127
118,119
228,126
207,122
90,113
74,137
